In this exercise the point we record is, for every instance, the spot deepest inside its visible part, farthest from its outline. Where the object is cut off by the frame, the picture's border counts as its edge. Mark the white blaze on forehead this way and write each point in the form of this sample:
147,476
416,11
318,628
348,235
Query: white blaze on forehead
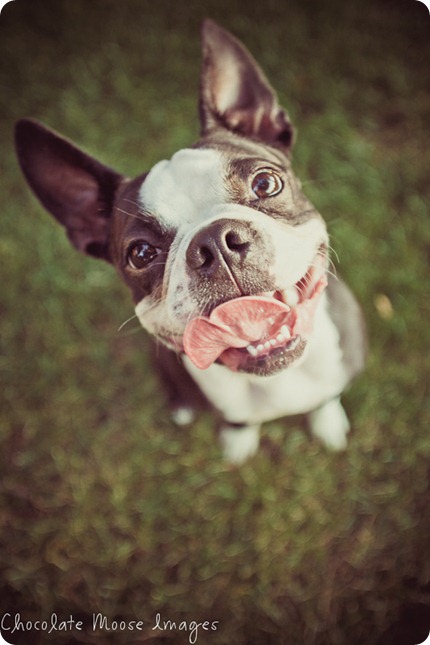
181,189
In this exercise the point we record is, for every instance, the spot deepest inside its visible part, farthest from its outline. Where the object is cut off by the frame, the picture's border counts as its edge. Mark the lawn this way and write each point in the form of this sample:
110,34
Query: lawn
106,507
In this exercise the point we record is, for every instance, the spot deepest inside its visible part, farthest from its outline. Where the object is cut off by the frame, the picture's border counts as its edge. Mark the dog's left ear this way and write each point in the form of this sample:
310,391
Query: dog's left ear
76,189
235,94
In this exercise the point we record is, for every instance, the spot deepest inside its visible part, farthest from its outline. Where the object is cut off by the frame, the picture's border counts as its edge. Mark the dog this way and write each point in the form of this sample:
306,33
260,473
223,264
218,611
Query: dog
226,259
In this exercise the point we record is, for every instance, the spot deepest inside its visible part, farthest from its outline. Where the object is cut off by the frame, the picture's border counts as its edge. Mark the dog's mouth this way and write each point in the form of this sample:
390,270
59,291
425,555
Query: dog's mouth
260,334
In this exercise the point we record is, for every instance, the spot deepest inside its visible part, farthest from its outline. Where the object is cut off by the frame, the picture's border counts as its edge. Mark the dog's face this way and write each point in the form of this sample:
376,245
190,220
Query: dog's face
225,257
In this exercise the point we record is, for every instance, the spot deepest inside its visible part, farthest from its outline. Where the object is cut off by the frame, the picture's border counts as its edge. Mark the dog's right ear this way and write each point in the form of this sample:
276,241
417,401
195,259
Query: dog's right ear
78,190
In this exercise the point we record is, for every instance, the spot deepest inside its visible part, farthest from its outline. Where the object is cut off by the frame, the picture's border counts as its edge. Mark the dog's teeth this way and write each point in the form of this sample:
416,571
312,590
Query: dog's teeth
293,344
291,296
285,331
282,337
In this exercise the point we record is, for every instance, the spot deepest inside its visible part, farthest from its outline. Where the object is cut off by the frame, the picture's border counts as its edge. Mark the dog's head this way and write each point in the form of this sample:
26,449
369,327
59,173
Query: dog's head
225,257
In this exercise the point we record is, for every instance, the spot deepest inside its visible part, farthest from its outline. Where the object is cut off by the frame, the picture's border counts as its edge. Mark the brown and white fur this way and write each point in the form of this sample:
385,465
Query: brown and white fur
221,220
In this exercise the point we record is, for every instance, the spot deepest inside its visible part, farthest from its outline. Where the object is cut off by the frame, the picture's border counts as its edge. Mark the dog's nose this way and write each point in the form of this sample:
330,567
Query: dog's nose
224,242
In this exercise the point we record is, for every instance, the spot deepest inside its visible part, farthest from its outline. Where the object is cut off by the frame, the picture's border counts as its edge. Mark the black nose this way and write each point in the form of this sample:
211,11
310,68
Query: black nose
224,242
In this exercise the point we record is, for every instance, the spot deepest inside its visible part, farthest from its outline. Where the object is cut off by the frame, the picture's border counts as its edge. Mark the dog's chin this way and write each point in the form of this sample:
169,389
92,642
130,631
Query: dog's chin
265,364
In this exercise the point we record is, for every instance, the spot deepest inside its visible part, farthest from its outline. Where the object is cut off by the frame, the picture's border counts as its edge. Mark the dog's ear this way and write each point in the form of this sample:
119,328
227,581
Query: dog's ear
78,190
235,94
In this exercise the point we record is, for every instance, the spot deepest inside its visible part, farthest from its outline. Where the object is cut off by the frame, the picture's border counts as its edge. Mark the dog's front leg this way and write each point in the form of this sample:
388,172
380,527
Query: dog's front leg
239,441
330,424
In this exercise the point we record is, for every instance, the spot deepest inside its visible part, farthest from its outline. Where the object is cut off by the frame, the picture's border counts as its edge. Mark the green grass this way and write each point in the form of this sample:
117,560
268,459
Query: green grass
105,506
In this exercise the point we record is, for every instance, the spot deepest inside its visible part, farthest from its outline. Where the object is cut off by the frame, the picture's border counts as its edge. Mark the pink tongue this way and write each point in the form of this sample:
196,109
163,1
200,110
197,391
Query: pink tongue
234,324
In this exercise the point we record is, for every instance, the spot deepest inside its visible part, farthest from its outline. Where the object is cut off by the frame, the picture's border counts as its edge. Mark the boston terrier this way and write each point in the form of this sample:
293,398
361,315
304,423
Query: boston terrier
226,259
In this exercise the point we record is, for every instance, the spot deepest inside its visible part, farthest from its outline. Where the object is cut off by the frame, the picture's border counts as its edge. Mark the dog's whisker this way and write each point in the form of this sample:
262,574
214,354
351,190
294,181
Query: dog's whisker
137,329
158,264
121,327
333,251
124,212
332,271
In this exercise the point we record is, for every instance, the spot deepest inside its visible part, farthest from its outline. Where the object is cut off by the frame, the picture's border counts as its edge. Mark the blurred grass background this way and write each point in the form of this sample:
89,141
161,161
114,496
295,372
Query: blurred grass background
105,507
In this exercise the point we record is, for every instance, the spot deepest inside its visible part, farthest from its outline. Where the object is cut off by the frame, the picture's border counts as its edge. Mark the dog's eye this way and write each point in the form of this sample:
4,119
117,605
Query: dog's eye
140,254
266,184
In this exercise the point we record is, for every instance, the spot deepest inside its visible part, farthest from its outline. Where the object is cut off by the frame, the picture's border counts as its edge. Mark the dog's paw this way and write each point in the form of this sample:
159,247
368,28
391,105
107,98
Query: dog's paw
330,424
182,415
239,444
